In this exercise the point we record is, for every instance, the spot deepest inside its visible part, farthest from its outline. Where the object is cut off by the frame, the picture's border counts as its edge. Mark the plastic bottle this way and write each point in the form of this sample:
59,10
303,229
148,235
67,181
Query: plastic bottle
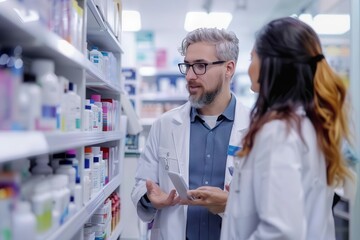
87,123
89,233
55,160
95,110
61,197
41,202
97,58
98,153
71,156
31,113
66,168
74,109
107,66
78,194
97,102
14,66
23,167
64,88
106,162
23,222
42,166
50,99
87,181
96,176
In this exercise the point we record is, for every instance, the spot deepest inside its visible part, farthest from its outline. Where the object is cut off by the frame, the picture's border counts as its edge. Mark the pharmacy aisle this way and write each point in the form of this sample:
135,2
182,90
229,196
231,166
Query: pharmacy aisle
62,132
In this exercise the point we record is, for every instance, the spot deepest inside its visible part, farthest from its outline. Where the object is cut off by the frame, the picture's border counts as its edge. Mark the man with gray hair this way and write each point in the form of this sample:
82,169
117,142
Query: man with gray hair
197,140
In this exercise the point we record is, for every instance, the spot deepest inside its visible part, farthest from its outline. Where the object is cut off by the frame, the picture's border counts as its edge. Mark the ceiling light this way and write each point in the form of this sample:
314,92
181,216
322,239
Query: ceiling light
131,21
332,23
339,23
196,20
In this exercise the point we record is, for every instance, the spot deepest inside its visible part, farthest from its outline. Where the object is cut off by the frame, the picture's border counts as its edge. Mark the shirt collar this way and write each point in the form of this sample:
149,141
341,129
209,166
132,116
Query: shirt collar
229,112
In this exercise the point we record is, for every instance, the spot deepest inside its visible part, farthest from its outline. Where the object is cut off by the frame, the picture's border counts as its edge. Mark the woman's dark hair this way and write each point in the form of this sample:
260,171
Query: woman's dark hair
294,73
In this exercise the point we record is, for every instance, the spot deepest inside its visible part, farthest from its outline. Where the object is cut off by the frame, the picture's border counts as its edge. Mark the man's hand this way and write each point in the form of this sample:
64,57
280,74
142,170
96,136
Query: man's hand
160,199
212,198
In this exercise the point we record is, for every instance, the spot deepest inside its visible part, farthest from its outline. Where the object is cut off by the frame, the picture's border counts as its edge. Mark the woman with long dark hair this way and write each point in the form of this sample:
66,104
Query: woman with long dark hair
291,159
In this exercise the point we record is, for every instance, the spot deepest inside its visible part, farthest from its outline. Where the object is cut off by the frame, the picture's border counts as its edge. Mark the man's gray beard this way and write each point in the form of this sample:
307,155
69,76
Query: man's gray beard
205,99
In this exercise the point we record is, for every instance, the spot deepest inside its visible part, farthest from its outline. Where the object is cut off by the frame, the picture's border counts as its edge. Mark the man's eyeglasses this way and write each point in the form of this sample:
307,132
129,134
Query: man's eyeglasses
198,68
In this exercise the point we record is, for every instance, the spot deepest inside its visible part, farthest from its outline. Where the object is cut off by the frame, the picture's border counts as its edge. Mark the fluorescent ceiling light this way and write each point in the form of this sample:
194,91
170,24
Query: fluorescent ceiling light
196,20
131,21
332,24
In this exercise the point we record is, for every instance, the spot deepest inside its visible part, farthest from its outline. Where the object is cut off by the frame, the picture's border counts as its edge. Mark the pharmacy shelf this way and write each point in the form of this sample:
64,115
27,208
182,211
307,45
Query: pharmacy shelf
33,143
73,225
98,32
36,40
60,141
97,81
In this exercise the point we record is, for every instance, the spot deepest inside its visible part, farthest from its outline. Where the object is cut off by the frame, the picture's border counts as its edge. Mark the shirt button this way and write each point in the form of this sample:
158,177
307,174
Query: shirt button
208,155
206,182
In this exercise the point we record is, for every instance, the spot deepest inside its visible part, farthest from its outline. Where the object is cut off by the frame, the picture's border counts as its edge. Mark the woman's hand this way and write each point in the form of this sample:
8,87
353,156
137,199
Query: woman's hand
212,198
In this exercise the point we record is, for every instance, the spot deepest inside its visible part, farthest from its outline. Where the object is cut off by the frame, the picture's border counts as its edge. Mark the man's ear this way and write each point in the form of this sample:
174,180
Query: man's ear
230,68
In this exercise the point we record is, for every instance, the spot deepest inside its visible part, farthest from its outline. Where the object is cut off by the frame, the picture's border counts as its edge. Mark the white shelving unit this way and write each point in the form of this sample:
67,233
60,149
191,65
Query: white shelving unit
71,227
38,42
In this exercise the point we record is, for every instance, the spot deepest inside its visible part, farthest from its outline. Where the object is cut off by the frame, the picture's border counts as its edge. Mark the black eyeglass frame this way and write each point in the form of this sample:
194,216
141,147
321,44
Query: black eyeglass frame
188,65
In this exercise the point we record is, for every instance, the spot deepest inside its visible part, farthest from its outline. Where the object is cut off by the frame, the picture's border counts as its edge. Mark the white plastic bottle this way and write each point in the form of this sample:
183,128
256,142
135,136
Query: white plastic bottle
98,153
74,109
23,222
42,165
96,176
87,181
29,100
97,58
87,123
78,194
35,95
95,110
61,198
71,156
66,168
50,99
41,202
98,103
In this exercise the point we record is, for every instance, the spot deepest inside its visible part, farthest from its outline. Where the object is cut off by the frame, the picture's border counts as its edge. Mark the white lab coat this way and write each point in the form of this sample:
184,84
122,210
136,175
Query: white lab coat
167,148
280,190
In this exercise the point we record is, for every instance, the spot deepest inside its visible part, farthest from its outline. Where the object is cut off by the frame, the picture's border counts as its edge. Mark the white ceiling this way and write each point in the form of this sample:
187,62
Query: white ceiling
168,16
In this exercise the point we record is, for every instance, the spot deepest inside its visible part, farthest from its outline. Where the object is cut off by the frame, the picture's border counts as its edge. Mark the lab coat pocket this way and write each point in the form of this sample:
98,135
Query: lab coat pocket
168,160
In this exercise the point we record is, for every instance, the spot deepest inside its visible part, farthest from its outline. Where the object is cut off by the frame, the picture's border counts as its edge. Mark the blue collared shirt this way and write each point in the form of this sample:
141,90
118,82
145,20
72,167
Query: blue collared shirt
208,154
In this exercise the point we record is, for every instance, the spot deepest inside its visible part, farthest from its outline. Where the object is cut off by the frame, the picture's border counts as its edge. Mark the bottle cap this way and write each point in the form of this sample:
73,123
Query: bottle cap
96,97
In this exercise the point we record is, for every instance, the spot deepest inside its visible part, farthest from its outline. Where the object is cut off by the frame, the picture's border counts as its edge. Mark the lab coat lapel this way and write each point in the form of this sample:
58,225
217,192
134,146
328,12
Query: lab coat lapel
240,126
180,138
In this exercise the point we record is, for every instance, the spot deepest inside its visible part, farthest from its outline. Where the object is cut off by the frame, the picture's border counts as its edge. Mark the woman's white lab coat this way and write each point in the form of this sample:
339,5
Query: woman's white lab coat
280,190
167,149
